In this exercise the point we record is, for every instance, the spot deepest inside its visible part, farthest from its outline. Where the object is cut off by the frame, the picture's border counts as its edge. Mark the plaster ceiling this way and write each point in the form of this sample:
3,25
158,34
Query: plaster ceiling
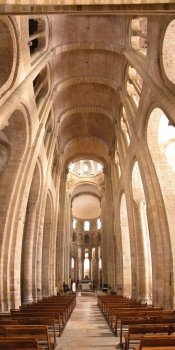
86,206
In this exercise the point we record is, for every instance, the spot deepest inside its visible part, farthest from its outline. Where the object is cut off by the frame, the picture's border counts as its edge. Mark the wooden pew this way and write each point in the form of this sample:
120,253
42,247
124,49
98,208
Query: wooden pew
126,322
63,305
5,315
111,313
30,331
8,322
135,333
108,301
132,314
19,344
156,342
40,314
62,311
49,322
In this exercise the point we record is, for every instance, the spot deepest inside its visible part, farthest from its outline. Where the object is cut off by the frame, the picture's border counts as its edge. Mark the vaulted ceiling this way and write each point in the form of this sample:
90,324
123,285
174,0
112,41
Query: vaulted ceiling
87,74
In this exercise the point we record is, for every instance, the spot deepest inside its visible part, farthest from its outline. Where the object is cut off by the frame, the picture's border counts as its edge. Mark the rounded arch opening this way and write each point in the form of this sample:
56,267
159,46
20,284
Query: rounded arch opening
168,52
161,140
28,267
8,54
15,140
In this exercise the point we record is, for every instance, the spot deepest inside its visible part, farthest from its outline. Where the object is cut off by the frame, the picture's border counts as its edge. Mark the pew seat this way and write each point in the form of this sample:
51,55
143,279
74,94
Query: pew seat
17,343
38,332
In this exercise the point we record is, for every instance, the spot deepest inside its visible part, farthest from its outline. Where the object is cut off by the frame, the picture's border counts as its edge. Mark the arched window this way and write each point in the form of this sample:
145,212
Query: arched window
166,138
168,52
161,142
8,54
99,167
72,263
74,224
98,224
139,34
100,264
86,226
85,168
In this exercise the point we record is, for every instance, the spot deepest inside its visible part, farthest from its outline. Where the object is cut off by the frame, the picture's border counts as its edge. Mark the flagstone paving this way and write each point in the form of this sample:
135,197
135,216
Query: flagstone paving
87,328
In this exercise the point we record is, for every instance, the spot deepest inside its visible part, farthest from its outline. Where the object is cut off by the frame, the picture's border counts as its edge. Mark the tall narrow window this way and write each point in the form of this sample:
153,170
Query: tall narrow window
74,224
72,263
98,224
99,167
168,52
86,226
85,168
100,263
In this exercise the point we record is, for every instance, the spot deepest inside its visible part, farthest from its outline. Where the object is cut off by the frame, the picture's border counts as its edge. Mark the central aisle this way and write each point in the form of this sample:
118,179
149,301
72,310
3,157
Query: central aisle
87,328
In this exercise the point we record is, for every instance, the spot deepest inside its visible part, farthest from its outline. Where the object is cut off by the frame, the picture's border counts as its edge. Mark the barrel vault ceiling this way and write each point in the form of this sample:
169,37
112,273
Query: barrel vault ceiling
90,70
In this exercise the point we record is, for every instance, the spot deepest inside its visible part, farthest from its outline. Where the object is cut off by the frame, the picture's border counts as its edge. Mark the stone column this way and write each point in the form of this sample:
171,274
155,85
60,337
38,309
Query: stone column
82,268
75,269
82,262
79,269
108,250
94,268
60,238
28,251
66,241
90,264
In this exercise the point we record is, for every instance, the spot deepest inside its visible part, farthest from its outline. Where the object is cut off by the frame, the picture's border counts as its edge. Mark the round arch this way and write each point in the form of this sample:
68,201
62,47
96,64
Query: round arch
8,54
166,52
157,137
18,133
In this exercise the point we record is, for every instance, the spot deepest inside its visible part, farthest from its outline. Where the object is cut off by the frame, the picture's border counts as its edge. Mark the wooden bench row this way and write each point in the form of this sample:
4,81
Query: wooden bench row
39,322
28,331
127,322
154,342
136,332
19,344
122,314
114,312
59,309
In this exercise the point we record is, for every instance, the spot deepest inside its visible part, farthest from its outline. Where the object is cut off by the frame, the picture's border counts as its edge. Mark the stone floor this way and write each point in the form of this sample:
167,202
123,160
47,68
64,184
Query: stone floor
87,328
